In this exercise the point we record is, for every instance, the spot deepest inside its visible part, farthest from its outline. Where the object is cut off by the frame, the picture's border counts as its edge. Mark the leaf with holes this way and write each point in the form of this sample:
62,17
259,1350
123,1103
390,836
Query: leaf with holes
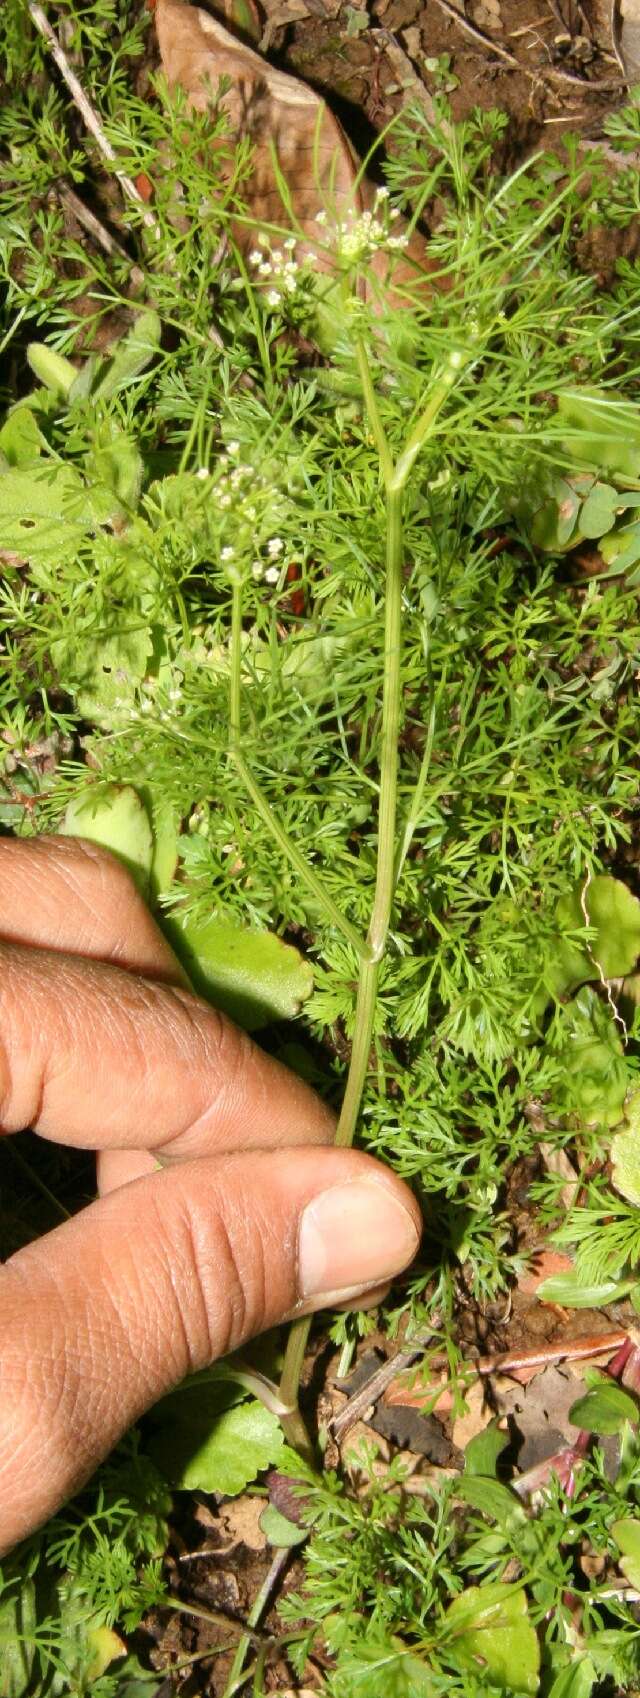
44,511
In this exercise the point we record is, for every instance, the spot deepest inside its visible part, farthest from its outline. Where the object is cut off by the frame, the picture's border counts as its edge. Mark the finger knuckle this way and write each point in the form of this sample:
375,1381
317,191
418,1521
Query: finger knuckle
226,1297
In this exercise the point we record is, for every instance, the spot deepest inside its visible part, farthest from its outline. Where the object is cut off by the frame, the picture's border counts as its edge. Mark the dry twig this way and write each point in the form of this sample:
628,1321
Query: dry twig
89,114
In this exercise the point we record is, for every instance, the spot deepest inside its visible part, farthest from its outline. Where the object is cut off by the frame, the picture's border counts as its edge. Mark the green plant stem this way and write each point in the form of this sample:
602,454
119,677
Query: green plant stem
377,428
253,1619
285,842
395,479
380,913
458,358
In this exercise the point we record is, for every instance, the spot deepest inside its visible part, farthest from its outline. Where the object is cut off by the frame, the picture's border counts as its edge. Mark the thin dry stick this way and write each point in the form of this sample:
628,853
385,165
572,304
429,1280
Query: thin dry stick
95,228
89,114
479,35
501,1362
509,1361
94,125
372,1391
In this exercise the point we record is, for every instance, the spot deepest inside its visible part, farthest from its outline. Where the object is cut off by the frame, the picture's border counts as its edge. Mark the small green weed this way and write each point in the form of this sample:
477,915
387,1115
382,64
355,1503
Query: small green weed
196,583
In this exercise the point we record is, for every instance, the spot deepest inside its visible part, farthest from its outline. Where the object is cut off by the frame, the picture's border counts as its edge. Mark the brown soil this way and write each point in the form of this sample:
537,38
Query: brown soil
550,67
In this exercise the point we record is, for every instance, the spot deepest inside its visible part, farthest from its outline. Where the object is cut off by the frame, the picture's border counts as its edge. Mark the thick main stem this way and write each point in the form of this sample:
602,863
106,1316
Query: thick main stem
381,909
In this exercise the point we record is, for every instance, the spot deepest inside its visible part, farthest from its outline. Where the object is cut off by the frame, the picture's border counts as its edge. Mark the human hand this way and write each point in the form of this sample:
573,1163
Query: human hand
253,1221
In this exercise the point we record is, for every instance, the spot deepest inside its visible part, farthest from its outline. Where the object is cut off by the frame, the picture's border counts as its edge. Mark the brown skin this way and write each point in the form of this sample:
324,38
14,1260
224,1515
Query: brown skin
102,1046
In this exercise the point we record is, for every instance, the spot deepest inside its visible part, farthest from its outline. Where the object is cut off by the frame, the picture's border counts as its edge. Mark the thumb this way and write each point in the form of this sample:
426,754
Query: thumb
156,1280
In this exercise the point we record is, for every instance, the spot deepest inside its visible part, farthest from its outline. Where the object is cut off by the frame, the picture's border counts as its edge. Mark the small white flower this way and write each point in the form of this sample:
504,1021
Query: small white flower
224,501
233,447
275,546
255,258
146,706
265,269
271,575
395,212
202,472
290,244
175,695
257,570
274,297
321,217
382,194
227,553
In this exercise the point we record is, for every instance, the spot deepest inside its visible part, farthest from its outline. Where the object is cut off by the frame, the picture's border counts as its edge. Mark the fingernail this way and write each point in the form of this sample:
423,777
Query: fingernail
353,1236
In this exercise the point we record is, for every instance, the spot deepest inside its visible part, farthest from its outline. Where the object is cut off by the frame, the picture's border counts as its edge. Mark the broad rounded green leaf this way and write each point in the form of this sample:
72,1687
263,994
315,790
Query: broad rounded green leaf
114,816
627,1536
595,1075
206,1441
104,1647
621,548
614,917
482,1452
491,1498
489,1628
279,1531
552,525
116,465
604,1409
44,511
379,1667
253,976
21,439
598,512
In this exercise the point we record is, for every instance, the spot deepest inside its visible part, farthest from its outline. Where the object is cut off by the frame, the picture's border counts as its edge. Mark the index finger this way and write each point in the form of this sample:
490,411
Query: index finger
96,1056
68,894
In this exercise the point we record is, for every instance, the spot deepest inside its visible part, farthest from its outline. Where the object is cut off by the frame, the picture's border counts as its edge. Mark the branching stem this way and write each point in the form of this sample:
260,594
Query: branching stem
372,951
395,479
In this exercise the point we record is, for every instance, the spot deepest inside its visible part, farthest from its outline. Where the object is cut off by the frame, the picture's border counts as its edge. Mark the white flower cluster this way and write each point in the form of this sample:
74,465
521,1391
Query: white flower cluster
278,267
160,698
362,234
232,481
270,573
241,486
